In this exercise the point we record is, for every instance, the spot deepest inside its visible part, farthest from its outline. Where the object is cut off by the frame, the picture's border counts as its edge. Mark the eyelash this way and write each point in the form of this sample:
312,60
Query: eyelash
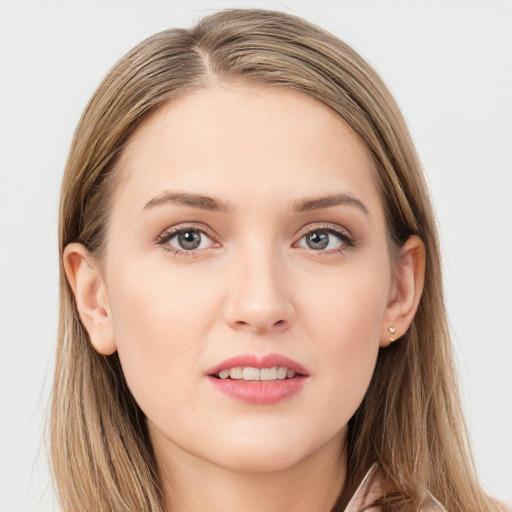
332,229
169,234
342,234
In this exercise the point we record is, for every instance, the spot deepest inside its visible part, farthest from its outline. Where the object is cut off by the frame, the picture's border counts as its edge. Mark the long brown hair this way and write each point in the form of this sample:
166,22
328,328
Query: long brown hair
410,421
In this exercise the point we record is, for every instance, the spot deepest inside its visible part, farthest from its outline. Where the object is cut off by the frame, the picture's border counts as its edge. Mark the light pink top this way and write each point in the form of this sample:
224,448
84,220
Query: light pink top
371,489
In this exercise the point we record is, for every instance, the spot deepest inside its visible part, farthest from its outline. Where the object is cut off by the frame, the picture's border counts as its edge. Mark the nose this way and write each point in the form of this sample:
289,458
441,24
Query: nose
259,293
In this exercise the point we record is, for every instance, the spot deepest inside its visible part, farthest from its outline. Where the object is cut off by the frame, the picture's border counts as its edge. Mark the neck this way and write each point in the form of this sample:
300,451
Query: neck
190,483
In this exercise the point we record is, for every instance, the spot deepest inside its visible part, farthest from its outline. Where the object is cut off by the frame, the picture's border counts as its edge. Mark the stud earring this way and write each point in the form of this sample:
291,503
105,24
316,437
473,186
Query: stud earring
392,330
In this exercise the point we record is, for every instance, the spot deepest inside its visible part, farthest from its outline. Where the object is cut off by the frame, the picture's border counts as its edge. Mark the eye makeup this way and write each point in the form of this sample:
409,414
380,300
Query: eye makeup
317,238
190,239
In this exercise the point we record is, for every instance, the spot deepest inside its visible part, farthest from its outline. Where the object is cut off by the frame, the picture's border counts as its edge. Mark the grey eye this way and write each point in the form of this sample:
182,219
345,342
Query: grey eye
324,240
189,240
317,239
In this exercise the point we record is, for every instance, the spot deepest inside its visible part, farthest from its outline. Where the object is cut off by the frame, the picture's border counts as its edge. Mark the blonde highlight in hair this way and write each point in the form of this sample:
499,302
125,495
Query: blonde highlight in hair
410,421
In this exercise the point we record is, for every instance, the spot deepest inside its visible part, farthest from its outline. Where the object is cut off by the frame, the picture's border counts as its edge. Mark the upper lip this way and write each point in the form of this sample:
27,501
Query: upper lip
255,361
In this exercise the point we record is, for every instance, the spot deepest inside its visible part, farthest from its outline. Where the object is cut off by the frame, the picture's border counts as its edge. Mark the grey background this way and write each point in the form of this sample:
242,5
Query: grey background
448,62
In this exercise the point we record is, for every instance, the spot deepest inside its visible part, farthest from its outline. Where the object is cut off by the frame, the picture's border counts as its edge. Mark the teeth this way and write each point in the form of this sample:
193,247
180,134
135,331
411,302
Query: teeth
249,373
281,373
236,373
268,374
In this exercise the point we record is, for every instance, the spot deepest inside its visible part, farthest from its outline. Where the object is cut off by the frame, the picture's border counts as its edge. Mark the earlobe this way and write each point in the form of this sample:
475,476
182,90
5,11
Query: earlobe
406,291
90,293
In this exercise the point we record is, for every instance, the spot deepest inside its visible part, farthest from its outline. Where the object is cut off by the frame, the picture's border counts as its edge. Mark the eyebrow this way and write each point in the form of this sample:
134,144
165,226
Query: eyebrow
216,205
193,200
305,205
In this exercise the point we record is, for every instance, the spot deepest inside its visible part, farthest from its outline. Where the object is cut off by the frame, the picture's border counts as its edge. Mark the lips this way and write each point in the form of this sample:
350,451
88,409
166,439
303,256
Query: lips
253,361
258,380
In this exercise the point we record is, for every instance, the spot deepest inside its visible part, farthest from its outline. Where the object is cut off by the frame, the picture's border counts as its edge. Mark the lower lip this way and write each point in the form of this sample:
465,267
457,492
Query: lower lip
258,392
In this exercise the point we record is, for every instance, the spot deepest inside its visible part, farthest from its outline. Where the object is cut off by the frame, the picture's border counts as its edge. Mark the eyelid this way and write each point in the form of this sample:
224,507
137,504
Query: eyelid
336,228
172,231
344,234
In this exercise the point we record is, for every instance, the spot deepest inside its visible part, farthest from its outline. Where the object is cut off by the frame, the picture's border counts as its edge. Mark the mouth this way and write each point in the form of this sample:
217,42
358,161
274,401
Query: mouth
258,380
249,373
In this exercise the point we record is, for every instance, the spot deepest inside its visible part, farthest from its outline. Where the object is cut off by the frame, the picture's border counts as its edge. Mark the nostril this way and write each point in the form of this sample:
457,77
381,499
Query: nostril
260,326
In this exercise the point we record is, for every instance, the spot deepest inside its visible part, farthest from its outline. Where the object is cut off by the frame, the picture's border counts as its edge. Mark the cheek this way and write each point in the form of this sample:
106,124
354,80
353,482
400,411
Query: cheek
344,319
161,320
348,303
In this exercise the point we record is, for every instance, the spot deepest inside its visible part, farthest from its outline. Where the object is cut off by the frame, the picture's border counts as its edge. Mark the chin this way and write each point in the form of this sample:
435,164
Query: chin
267,454
260,461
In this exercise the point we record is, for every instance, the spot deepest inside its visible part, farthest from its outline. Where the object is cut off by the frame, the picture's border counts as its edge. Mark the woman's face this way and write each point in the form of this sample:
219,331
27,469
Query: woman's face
246,225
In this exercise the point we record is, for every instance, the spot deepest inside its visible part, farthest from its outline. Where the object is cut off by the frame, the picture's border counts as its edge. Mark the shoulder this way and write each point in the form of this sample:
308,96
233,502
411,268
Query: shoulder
371,489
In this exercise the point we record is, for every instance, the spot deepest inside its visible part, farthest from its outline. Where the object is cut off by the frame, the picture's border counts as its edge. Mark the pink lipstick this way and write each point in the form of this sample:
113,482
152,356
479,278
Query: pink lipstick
258,380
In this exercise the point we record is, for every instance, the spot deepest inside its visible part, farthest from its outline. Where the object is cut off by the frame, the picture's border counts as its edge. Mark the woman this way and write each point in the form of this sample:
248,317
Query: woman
251,299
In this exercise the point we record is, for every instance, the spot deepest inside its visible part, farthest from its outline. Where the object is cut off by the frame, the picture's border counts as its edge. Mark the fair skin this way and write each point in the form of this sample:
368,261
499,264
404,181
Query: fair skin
256,275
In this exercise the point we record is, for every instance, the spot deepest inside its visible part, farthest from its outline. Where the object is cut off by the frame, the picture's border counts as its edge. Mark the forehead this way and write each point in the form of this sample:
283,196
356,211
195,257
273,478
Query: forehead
238,140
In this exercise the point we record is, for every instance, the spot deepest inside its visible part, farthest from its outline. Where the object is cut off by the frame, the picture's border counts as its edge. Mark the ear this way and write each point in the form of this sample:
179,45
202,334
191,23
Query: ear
405,292
87,283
